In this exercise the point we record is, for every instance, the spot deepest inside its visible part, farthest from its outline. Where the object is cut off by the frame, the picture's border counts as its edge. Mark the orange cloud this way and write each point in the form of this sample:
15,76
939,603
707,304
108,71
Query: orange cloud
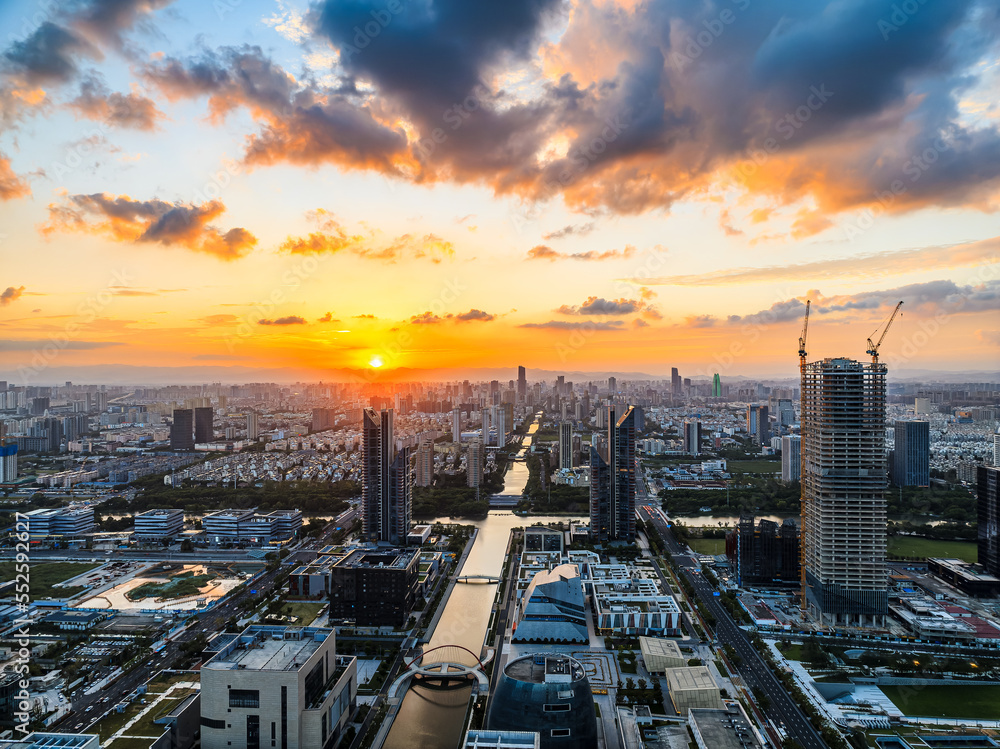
150,221
11,186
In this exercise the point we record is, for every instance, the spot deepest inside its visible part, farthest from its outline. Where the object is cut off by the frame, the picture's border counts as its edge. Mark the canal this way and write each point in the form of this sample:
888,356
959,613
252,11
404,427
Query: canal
433,718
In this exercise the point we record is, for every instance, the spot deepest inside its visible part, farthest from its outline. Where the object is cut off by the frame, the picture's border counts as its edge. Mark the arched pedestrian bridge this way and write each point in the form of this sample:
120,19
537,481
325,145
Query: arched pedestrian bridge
443,663
477,579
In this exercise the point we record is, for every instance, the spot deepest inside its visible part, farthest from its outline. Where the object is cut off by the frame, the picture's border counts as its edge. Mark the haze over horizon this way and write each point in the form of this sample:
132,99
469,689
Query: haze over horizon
581,186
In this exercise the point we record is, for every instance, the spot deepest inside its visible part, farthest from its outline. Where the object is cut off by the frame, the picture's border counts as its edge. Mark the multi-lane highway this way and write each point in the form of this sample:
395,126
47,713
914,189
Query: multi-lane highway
756,673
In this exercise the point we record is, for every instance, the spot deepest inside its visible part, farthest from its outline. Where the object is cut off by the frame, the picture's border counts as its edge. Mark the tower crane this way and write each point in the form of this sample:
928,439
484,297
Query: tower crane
873,347
802,457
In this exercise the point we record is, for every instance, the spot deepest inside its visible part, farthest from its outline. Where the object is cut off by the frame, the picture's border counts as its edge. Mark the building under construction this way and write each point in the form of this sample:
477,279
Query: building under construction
764,553
843,491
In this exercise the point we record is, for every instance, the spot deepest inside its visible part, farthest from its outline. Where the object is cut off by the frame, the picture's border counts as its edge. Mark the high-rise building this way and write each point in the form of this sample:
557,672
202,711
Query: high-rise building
253,430
475,458
996,449
386,502
791,457
786,412
988,481
182,430
612,385
758,426
843,491
284,687
8,462
716,386
911,453
612,481
692,437
675,380
522,384
565,444
203,429
921,406
456,425
423,469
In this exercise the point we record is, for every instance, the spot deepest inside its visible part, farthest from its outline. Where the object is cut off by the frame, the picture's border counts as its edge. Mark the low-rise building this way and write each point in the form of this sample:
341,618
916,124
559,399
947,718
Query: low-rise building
75,620
692,687
553,608
247,528
968,578
60,523
277,686
159,525
660,654
725,728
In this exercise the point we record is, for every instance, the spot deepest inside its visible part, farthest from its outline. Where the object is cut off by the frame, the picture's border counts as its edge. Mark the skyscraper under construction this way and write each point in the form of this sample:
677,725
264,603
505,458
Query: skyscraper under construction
843,491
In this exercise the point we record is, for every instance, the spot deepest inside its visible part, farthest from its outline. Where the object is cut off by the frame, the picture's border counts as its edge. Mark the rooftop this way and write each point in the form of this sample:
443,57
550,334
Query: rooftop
660,646
690,677
262,648
539,668
724,729
390,558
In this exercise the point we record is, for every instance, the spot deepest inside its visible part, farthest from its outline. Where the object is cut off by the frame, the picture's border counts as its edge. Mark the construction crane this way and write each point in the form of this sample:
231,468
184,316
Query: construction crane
802,458
873,347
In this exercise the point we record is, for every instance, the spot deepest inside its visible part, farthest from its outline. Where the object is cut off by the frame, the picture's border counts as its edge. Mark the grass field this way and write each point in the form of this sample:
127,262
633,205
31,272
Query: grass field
179,586
44,575
911,546
793,652
711,546
753,466
952,701
306,611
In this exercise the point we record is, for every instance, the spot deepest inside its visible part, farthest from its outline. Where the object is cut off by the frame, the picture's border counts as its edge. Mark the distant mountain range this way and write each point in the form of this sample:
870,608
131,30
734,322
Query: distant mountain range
126,374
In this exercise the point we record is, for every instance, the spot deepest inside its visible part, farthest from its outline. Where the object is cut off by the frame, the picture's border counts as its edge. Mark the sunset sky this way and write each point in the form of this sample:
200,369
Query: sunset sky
591,185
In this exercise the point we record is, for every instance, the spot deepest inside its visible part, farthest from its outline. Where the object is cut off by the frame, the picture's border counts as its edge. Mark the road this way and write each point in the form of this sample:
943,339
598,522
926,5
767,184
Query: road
89,708
755,672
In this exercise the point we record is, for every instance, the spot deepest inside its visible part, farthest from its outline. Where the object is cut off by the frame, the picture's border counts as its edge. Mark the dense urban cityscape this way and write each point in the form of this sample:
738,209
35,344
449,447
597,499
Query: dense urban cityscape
499,374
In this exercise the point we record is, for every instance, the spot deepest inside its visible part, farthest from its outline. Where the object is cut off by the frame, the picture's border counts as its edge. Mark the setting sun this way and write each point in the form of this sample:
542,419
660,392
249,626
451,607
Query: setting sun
375,362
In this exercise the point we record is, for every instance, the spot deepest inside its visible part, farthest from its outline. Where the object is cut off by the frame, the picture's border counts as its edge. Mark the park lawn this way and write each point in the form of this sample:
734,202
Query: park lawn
162,681
753,466
793,652
951,701
179,586
112,722
914,546
305,611
713,546
145,726
44,576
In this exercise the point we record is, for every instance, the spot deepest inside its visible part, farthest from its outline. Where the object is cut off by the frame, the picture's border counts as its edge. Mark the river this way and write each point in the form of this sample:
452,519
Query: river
433,718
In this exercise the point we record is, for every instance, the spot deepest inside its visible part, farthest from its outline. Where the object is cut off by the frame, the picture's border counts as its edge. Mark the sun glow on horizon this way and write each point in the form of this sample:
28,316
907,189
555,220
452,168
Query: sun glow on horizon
376,361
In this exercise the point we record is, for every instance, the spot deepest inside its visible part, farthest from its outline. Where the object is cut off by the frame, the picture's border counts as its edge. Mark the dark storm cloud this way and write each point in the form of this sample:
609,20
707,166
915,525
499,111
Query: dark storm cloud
48,55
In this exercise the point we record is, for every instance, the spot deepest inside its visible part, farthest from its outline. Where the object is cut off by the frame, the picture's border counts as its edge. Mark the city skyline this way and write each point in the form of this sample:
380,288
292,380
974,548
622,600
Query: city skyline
195,184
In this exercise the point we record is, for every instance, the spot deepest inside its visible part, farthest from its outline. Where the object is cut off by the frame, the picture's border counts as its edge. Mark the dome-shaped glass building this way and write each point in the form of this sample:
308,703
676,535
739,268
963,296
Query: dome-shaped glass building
547,693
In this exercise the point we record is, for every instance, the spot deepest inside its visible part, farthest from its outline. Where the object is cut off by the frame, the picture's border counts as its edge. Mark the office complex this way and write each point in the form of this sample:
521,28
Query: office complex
60,523
843,491
203,431
281,687
374,588
911,453
423,463
182,430
159,525
612,481
565,444
989,518
547,694
386,503
791,457
692,437
247,528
